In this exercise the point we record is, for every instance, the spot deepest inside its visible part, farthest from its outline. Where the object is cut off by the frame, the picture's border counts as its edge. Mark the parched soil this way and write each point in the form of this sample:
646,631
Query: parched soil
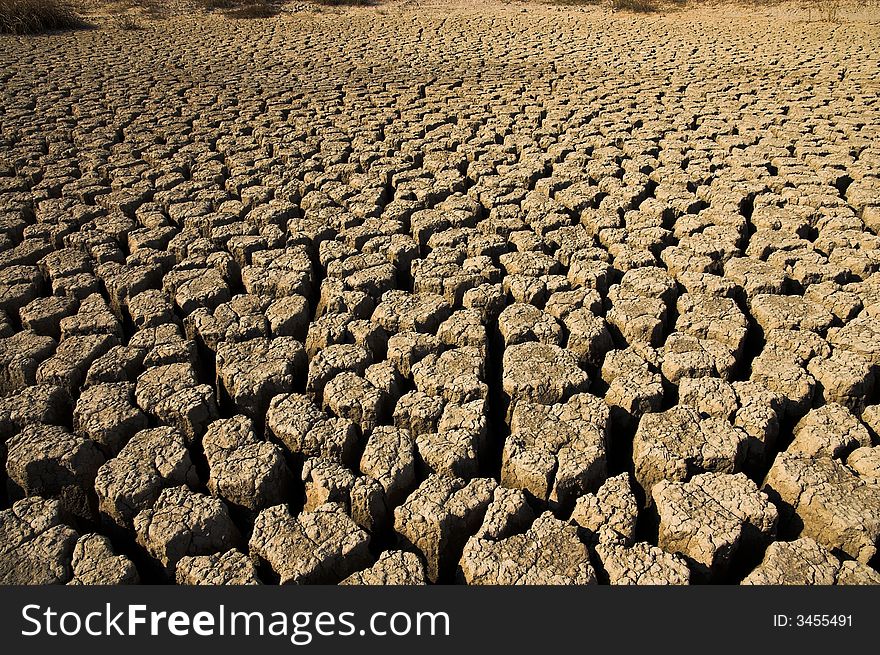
431,293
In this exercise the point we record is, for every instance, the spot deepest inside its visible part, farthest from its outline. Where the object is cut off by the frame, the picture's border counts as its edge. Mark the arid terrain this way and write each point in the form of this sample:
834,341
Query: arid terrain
483,293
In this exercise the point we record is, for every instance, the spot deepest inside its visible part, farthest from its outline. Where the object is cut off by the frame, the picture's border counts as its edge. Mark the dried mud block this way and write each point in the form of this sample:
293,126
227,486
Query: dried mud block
173,395
92,317
711,517
448,452
183,522
866,463
709,396
637,320
401,311
406,349
557,452
252,372
289,317
613,507
844,377
805,562
675,444
333,360
204,287
240,319
323,546
151,308
755,277
306,431
588,337
439,516
418,413
791,381
541,373
758,416
641,564
548,553
389,457
132,481
19,285
486,299
230,568
47,460
35,546
43,403
774,312
826,501
362,497
95,563
394,567
685,356
455,375
861,336
107,414
634,386
20,356
163,345
351,397
508,514
829,431
72,359
712,317
464,328
244,471
520,323
43,315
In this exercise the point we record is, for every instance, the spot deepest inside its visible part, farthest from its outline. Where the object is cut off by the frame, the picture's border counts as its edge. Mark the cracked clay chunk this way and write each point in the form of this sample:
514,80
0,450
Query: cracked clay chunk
306,431
541,373
47,460
245,471
252,372
557,452
173,395
322,546
675,444
184,522
390,458
107,414
95,563
709,518
132,481
35,546
612,507
805,562
394,567
230,568
831,503
549,553
439,516
641,564
829,431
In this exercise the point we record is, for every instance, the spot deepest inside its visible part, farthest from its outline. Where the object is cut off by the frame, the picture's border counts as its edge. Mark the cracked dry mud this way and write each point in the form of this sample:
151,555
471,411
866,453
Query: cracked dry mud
479,293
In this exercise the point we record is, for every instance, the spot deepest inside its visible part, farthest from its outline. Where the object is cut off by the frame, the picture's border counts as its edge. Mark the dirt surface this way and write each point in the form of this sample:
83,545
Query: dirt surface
441,292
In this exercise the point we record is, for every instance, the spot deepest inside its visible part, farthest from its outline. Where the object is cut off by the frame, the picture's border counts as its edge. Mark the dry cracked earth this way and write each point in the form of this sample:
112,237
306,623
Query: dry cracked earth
441,295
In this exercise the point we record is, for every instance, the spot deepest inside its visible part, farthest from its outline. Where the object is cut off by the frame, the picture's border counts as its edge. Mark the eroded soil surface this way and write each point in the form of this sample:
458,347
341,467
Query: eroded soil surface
499,294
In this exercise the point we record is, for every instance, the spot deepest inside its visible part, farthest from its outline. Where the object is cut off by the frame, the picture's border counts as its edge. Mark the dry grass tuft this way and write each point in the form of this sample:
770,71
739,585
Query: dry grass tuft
33,16
635,6
344,3
827,10
254,10
127,22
